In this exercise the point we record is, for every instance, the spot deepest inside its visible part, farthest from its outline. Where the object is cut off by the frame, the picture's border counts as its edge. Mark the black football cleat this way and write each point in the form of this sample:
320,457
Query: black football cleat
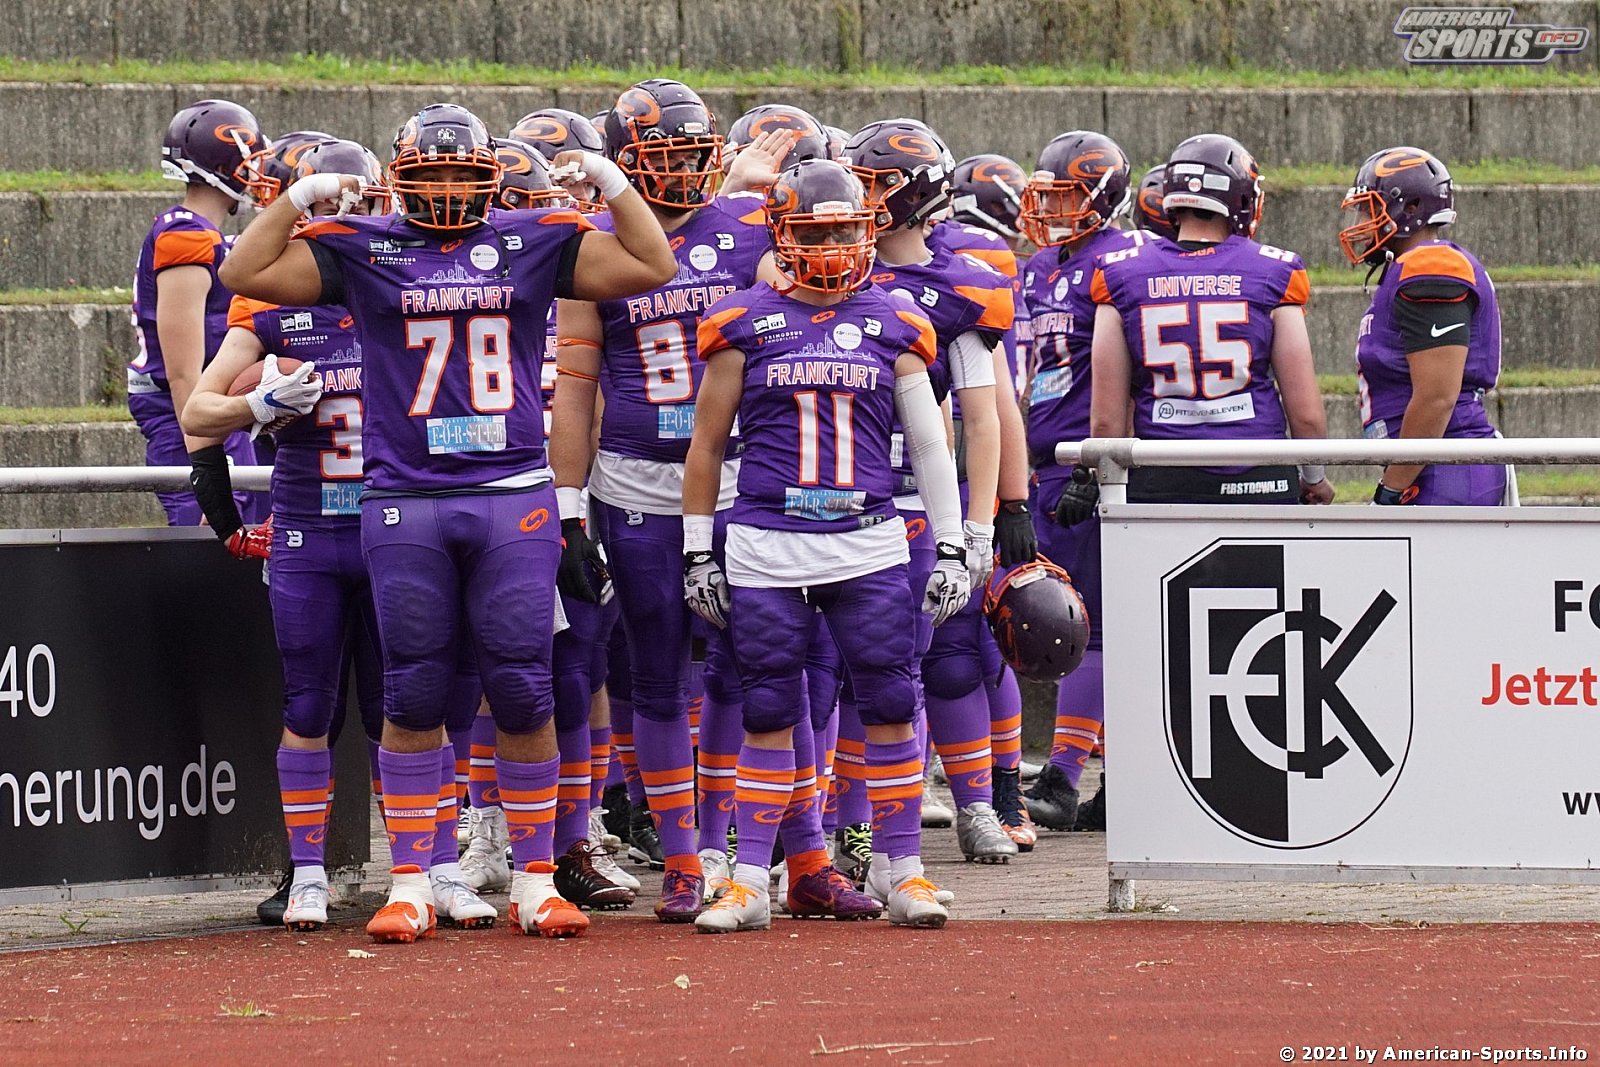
579,883
1092,816
270,911
1053,801
644,844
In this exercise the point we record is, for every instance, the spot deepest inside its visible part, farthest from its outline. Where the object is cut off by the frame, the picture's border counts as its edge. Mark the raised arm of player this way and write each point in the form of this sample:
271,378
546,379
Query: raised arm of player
1112,370
1296,375
635,257
265,264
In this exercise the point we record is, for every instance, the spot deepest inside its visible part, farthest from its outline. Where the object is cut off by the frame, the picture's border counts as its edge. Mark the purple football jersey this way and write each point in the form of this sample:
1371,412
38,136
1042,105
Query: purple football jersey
818,404
316,475
452,327
547,372
1056,292
1199,329
977,243
177,238
1385,374
649,370
956,293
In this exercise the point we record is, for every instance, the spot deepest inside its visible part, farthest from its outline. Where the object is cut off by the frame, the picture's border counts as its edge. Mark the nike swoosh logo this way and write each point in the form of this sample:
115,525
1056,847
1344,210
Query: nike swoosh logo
1435,331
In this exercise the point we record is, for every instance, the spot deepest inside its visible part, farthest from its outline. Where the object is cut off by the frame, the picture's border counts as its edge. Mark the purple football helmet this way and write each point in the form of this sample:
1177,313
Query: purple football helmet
525,177
335,156
1038,620
268,171
986,191
665,140
1080,187
209,142
1397,192
553,130
1148,213
905,167
813,142
821,226
1214,173
444,134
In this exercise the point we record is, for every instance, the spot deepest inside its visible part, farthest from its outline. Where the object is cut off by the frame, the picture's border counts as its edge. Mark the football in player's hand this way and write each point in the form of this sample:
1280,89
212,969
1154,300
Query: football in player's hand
250,377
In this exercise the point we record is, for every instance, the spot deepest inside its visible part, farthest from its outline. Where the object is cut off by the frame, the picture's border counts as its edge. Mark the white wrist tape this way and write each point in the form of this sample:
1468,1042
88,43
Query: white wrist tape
569,502
1313,473
697,531
606,175
313,187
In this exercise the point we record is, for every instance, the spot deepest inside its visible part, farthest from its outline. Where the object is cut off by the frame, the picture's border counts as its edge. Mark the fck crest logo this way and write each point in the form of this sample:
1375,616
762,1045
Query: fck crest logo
1288,683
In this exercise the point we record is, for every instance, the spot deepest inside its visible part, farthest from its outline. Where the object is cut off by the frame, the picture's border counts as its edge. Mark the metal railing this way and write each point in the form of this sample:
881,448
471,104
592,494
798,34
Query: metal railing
119,479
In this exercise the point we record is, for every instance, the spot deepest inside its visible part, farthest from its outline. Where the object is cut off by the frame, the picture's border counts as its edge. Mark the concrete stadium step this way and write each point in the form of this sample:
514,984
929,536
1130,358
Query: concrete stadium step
1137,34
58,355
1281,126
91,240
73,445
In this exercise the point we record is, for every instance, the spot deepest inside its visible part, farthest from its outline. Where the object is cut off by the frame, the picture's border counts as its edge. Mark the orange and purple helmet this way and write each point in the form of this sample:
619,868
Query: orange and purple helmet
665,140
1080,187
444,135
1397,192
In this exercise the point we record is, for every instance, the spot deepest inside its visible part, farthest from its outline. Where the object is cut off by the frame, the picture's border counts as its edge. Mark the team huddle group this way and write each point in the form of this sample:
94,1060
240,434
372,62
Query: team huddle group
672,493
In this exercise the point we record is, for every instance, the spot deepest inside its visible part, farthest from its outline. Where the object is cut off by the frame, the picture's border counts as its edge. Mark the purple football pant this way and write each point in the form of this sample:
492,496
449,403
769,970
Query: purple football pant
872,624
322,616
579,659
471,569
1075,549
1478,485
164,448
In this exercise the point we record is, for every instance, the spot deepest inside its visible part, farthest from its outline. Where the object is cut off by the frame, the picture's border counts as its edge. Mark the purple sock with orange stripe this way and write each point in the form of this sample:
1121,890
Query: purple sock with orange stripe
1005,719
572,788
445,849
894,784
1080,713
960,730
850,769
410,804
303,789
761,793
721,735
666,763
599,763
801,826
528,795
482,788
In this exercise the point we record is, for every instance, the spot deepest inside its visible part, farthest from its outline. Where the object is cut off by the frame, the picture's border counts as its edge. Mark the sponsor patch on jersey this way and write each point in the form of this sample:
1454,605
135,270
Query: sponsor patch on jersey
847,335
767,323
299,320
1050,384
484,257
674,422
341,498
1238,408
466,433
702,257
823,505
1062,286
140,383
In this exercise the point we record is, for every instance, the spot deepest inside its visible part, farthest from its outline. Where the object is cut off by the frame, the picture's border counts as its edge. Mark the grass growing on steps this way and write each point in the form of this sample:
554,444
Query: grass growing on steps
1532,483
114,295
57,181
1518,378
1466,175
338,70
50,416
1587,272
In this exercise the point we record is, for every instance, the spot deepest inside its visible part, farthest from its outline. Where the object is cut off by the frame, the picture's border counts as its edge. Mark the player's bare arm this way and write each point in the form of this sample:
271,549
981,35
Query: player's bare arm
634,258
1436,375
266,263
1109,415
573,411
1295,373
211,412
714,410
181,327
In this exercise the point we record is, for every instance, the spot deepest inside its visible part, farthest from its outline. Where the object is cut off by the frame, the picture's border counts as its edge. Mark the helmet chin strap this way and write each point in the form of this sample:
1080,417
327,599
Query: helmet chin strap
1377,265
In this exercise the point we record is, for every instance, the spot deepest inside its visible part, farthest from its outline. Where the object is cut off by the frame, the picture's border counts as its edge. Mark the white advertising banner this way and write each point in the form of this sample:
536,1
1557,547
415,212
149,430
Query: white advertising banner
1353,692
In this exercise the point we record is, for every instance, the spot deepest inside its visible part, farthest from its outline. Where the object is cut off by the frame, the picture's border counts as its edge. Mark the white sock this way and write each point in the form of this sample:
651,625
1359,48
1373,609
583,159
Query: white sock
310,873
443,871
751,876
903,867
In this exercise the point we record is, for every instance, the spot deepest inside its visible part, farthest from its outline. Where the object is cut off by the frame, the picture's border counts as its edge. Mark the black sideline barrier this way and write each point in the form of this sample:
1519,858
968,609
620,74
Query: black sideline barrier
140,708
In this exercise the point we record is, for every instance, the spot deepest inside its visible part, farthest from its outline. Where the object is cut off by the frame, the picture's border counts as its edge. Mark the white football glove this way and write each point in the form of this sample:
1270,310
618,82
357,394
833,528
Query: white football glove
705,588
279,399
980,552
950,585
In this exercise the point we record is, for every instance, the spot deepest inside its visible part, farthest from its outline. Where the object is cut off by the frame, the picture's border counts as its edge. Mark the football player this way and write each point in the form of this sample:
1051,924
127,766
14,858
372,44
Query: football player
1207,333
180,308
1148,214
554,130
1070,208
817,370
458,518
1429,345
907,168
639,353
318,587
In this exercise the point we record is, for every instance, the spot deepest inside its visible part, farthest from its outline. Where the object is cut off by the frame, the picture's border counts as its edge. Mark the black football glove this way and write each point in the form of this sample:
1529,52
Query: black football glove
1384,495
1013,533
1079,498
582,571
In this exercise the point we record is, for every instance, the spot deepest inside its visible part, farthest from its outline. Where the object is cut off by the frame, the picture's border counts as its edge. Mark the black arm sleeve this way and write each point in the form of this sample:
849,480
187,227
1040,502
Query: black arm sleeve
1434,313
567,265
213,488
331,268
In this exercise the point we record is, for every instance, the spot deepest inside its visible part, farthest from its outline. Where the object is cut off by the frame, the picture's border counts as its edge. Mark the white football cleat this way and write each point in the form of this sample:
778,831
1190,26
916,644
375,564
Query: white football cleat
483,864
739,908
456,904
934,812
606,865
915,902
409,913
537,908
308,906
981,836
719,876
879,889
598,835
